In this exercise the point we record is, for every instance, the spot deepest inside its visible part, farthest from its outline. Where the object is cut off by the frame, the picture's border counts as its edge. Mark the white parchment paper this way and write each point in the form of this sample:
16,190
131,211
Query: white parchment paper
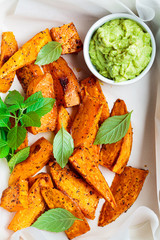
141,220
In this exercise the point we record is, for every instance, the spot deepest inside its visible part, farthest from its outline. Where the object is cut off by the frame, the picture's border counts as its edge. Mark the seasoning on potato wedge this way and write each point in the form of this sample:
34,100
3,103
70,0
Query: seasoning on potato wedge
56,199
44,83
125,188
36,206
68,36
116,155
85,124
40,153
65,83
8,48
63,118
15,197
76,188
42,175
26,54
92,87
83,162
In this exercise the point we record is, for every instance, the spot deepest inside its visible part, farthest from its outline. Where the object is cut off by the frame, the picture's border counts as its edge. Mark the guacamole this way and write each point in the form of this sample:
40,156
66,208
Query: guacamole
120,49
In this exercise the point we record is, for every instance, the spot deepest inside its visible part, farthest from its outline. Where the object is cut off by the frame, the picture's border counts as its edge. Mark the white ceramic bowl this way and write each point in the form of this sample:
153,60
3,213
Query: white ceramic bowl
98,24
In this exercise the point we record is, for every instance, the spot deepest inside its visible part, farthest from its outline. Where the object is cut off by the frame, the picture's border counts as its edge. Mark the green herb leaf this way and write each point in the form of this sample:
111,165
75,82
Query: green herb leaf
4,122
49,53
42,106
33,99
4,148
2,104
63,147
13,108
3,134
55,220
16,136
20,156
14,98
31,119
113,129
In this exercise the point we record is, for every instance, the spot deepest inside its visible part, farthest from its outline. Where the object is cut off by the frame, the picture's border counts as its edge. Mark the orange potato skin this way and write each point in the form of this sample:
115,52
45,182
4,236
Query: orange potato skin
56,199
76,188
15,197
68,36
125,188
66,85
116,155
85,124
42,175
27,73
63,117
92,87
83,161
8,48
36,206
44,84
40,153
26,54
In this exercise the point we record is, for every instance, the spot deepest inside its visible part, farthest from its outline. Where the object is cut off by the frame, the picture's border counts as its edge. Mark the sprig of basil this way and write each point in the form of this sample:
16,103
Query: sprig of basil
63,147
55,220
49,53
113,129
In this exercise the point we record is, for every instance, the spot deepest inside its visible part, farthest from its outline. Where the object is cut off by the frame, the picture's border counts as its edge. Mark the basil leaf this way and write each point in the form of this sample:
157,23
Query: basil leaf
2,104
113,129
55,220
63,147
33,99
42,106
4,122
4,114
31,119
16,136
13,108
14,98
4,148
3,134
49,53
20,156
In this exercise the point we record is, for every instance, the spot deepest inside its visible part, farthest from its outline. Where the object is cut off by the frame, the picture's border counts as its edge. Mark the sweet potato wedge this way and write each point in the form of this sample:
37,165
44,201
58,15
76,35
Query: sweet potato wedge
68,36
85,124
44,176
44,84
27,73
26,217
8,48
125,188
26,54
84,163
65,83
116,155
40,153
15,197
63,118
76,188
56,199
91,86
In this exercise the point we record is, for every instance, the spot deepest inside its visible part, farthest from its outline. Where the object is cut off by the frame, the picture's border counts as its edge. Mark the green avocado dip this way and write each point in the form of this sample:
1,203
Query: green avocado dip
120,49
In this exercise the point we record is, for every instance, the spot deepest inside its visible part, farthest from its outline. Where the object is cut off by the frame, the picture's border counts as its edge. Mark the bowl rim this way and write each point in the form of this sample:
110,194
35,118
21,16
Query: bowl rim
99,23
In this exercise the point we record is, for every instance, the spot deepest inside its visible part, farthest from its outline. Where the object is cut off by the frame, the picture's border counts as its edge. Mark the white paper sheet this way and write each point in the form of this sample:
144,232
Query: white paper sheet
32,16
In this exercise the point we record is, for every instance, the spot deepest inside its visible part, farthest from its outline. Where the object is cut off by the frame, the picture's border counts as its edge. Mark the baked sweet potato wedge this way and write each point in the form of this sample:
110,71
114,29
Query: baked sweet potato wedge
40,153
8,48
44,83
26,54
56,199
125,188
42,175
85,124
91,86
27,73
116,155
65,83
63,118
76,188
15,197
68,36
36,206
83,161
